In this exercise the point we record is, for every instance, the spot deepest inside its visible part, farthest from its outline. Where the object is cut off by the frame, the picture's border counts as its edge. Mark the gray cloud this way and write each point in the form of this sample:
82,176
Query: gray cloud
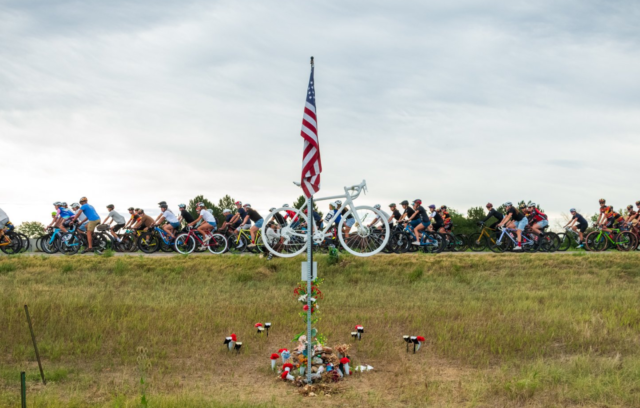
457,103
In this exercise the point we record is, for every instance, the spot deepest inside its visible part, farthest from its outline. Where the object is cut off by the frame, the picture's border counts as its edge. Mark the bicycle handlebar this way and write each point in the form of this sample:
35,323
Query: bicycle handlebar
358,188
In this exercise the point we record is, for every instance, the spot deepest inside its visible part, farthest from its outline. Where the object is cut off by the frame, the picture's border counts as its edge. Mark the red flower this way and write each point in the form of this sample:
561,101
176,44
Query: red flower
258,325
344,360
284,375
287,365
420,339
274,356
281,350
233,337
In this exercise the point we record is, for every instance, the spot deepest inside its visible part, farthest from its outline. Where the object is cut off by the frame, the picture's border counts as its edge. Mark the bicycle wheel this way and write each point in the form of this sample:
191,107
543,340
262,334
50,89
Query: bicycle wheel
69,244
101,243
237,244
49,244
501,245
399,242
597,241
11,243
565,242
290,239
361,240
184,244
217,244
434,242
461,242
148,242
625,241
477,242
25,242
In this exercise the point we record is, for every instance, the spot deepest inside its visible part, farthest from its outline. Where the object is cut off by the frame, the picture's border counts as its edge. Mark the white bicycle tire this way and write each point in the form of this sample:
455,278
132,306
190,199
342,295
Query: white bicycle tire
263,230
384,222
193,244
220,237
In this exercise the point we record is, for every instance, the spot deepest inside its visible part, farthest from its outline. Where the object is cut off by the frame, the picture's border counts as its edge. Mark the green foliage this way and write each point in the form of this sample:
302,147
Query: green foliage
227,202
32,229
217,211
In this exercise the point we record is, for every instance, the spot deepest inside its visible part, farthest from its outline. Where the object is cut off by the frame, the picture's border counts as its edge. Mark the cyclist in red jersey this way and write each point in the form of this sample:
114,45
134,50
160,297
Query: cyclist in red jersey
540,219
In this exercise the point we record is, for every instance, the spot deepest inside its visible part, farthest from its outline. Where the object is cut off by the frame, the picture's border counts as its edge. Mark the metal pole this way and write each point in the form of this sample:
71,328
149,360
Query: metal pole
309,278
35,346
23,389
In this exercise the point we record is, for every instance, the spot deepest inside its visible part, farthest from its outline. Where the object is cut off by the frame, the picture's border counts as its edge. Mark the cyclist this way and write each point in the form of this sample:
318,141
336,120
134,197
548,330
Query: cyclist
579,224
408,211
173,224
290,214
278,219
539,219
94,220
395,214
82,219
448,222
144,221
184,214
514,219
608,218
57,220
4,219
208,224
229,216
317,218
134,218
631,214
333,216
435,219
117,217
421,220
493,213
252,215
348,223
378,218
240,215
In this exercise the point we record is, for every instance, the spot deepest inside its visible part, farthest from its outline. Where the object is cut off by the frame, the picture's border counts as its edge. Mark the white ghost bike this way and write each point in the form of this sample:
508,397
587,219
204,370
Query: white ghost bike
284,230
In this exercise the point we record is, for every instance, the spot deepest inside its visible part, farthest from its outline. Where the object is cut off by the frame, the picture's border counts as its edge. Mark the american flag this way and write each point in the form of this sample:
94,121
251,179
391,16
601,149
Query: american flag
311,164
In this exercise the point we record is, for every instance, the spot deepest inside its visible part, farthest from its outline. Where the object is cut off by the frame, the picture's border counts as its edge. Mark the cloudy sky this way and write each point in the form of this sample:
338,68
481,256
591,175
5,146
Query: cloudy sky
456,103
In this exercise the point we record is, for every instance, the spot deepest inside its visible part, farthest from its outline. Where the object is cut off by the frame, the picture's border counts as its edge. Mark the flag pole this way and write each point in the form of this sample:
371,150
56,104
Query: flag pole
309,278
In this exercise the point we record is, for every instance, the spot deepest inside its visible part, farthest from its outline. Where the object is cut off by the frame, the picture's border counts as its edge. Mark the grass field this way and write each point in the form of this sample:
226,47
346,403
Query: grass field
513,330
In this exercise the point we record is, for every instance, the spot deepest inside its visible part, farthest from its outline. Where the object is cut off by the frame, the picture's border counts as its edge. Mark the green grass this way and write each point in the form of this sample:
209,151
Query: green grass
501,330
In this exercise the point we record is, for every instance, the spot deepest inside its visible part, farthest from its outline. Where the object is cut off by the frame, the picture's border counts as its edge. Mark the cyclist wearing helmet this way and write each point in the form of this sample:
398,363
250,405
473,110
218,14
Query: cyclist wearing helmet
228,216
115,216
252,215
291,215
208,224
579,224
378,218
448,222
278,218
57,220
94,221
608,217
184,214
395,214
173,224
133,220
438,221
492,212
333,216
240,216
514,219
419,220
408,211
82,219
631,214
539,219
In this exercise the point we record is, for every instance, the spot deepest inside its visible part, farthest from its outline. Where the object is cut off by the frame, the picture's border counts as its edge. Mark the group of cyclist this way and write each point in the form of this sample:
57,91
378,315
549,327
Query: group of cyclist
415,215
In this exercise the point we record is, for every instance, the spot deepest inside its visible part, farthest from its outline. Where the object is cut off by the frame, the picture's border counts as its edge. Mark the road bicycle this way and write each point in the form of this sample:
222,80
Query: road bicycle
239,242
155,239
187,242
75,240
600,240
353,233
507,241
569,239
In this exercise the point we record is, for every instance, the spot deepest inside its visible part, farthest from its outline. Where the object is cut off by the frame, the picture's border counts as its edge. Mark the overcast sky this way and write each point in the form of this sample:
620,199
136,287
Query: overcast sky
456,103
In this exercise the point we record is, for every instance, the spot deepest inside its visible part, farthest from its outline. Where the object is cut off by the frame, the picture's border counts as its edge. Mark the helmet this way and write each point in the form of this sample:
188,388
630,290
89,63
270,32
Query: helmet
247,205
161,203
272,209
432,206
637,202
572,210
110,206
508,204
226,211
200,205
238,203
335,204
377,206
285,205
128,209
56,203
338,202
630,207
83,199
417,201
404,202
392,205
182,206
489,205
443,207
63,203
531,205
522,205
74,205
602,201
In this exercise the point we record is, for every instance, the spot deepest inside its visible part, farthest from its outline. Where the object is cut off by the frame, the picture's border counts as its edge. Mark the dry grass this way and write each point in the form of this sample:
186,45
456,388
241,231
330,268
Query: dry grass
502,330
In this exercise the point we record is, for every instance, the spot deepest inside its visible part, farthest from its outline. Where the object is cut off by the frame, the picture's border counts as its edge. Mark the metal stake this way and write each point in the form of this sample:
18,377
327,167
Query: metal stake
35,346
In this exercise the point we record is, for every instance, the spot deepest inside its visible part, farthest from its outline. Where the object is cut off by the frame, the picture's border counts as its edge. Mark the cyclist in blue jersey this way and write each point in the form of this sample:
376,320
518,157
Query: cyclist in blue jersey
94,221
229,216
240,215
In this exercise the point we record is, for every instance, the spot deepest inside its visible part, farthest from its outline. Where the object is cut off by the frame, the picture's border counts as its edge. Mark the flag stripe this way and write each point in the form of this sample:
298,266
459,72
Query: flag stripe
311,163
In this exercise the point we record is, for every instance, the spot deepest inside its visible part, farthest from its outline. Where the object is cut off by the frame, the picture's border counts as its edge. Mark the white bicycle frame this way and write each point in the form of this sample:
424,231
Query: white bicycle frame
319,236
